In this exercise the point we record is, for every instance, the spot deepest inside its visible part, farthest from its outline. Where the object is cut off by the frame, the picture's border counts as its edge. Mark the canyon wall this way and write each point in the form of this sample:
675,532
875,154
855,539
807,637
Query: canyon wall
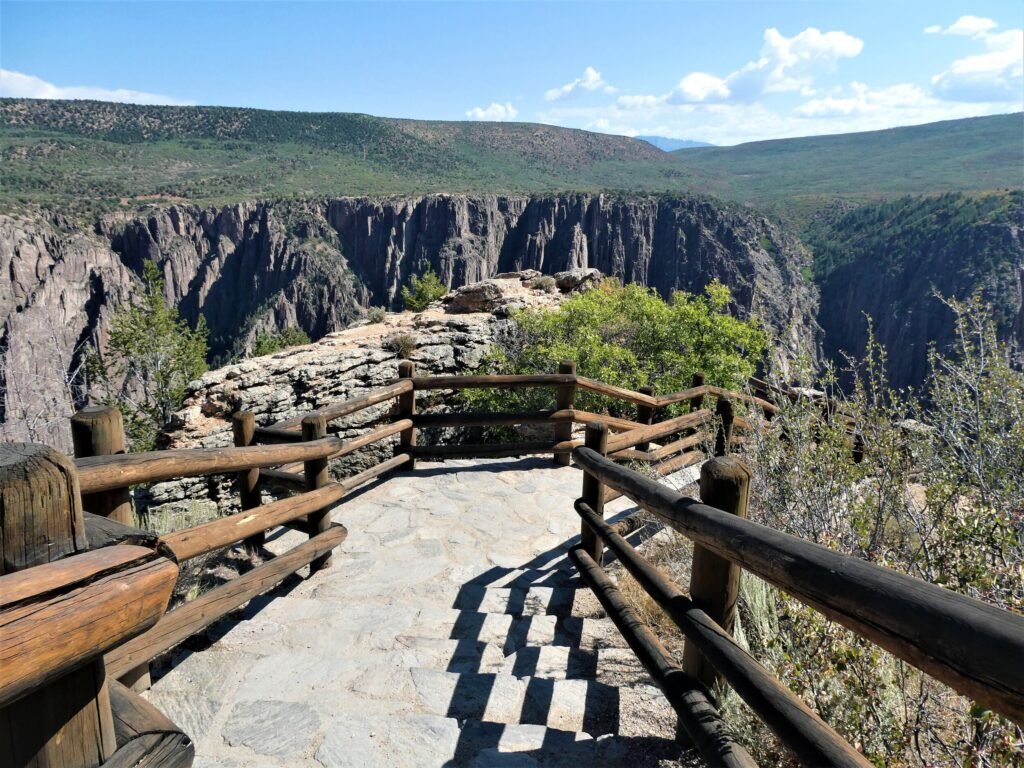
317,264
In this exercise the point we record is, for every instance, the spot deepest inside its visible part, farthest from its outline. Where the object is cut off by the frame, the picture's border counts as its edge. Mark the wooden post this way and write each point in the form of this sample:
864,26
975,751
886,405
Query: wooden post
314,428
696,403
98,430
593,491
406,410
243,427
714,581
565,398
724,434
68,722
644,414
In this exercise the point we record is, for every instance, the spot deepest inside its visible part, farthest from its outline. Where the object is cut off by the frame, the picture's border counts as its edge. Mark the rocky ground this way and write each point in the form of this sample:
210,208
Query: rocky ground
449,338
450,631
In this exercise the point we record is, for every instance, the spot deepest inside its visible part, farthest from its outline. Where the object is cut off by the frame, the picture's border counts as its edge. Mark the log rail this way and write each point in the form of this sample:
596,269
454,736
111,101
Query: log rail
971,646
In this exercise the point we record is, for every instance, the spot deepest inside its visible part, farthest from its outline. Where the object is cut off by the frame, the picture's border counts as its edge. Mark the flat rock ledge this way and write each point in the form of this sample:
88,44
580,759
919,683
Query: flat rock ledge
450,631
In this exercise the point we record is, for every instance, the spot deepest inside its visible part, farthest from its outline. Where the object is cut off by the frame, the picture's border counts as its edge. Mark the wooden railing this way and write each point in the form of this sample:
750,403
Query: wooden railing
973,647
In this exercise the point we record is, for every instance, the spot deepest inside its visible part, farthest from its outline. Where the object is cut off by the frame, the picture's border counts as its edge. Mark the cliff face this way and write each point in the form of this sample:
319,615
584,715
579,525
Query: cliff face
898,256
317,264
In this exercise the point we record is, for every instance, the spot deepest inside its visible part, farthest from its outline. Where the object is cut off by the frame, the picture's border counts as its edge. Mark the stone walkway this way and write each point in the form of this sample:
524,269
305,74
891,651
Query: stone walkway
450,631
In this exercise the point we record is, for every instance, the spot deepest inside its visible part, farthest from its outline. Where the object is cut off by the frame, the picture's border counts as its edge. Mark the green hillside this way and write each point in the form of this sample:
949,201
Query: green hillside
87,155
65,151
792,177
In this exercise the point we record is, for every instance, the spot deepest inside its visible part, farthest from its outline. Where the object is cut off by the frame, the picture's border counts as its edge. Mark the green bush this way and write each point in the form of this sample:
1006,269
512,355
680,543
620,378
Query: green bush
151,356
402,344
937,495
268,343
422,291
376,314
630,337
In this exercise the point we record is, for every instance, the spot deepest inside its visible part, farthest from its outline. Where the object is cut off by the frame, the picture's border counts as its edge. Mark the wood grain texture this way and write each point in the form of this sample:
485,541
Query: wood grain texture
350,406
619,393
373,436
594,492
225,531
40,507
100,473
697,715
407,410
715,581
98,430
92,602
190,618
316,475
145,736
798,727
565,397
657,431
971,646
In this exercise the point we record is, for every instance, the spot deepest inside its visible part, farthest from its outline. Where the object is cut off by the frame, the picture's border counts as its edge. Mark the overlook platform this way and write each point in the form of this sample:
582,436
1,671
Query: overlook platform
450,630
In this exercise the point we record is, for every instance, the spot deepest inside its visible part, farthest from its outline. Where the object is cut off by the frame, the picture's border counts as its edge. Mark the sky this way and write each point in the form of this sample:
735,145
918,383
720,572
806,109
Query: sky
721,71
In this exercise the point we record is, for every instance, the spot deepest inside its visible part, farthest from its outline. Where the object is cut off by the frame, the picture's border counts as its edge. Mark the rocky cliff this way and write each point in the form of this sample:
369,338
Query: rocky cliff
317,264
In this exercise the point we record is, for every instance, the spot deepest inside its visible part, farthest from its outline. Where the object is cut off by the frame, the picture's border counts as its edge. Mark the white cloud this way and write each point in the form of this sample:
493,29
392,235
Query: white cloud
21,86
969,26
699,86
995,75
933,29
865,101
591,81
791,63
785,64
495,112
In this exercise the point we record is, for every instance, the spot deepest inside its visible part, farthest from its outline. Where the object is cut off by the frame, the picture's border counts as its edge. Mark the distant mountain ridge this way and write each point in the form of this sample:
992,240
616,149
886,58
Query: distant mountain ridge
671,145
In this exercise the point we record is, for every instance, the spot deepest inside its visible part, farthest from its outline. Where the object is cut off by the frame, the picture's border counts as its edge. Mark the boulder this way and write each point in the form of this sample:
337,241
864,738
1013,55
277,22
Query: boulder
577,279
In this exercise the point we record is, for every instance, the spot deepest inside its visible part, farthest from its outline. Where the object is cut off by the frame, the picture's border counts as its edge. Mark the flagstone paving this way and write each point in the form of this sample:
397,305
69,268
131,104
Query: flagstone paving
450,631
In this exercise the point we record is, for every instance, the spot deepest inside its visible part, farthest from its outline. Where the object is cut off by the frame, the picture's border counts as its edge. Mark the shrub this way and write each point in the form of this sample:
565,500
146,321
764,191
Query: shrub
630,337
268,343
151,356
376,315
937,496
402,344
422,291
546,283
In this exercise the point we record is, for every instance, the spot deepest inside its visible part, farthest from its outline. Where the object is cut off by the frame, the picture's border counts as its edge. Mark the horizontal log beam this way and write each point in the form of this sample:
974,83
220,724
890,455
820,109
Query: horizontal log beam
276,435
663,469
481,450
971,646
619,393
224,531
183,622
613,423
764,405
659,430
491,419
797,726
373,436
351,405
421,383
682,396
697,715
103,473
289,480
58,616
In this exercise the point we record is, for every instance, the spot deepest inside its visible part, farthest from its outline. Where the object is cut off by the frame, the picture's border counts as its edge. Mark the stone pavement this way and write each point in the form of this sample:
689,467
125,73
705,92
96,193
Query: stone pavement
450,631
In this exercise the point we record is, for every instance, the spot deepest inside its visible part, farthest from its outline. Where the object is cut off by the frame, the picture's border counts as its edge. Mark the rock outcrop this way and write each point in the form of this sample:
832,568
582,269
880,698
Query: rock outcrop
317,264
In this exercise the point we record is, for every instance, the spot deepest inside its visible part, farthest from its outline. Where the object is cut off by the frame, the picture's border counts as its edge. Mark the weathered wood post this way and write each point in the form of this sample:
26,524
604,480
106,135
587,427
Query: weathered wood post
243,427
723,437
714,581
593,491
565,398
314,427
644,414
68,722
696,403
407,410
98,430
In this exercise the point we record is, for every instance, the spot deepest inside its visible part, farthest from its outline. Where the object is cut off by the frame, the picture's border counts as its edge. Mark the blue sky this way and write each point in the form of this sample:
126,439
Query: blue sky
724,72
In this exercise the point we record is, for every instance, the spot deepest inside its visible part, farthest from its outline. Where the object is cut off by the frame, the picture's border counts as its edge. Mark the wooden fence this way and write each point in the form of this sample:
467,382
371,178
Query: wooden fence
53,508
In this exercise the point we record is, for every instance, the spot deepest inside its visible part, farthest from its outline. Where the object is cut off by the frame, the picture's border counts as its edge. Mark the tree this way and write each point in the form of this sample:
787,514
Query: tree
630,337
268,343
151,356
422,291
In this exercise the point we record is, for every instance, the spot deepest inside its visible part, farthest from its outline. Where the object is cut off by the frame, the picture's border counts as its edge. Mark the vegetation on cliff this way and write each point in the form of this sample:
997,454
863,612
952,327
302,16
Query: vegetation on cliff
630,337
150,358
